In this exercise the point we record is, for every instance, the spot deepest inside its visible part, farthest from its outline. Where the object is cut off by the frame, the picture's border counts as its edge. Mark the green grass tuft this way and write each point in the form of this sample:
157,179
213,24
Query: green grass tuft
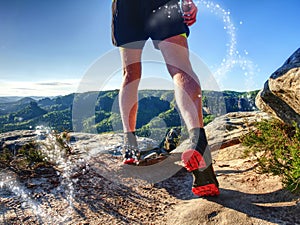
276,146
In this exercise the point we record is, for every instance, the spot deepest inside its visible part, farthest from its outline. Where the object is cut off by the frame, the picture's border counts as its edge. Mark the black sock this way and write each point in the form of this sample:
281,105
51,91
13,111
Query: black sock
198,139
199,143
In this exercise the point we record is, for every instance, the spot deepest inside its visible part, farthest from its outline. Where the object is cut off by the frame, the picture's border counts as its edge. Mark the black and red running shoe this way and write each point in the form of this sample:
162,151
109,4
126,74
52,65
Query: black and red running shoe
130,155
205,181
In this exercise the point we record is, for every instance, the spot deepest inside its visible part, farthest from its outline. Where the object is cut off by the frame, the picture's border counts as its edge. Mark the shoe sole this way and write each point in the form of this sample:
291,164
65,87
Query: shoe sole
193,160
130,161
206,190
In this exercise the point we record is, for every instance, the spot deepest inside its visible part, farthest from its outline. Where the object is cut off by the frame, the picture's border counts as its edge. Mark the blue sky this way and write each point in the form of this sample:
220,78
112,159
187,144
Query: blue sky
48,46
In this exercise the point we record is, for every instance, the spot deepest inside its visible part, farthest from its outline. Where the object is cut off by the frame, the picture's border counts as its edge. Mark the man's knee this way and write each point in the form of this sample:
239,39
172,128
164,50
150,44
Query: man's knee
174,71
131,72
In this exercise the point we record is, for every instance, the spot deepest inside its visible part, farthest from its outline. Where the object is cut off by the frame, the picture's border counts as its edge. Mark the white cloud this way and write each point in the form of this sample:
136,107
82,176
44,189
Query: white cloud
46,88
54,84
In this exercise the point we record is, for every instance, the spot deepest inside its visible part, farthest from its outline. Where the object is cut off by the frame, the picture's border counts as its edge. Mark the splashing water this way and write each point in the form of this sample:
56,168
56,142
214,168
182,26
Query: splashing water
9,182
233,56
55,154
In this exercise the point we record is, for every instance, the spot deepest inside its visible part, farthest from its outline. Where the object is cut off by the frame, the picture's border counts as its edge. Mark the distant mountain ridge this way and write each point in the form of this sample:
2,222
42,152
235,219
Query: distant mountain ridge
155,106
7,99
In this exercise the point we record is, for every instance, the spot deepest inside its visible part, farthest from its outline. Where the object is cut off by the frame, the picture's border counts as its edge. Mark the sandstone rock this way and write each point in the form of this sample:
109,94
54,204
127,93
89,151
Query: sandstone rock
226,130
81,193
14,140
281,93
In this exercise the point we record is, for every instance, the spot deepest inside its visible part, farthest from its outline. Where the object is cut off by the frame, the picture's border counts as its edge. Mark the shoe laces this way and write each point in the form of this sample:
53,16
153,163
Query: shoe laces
131,152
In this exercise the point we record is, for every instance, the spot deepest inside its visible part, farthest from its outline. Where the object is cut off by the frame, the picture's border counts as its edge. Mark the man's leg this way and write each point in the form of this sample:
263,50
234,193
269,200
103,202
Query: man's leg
188,96
187,86
128,100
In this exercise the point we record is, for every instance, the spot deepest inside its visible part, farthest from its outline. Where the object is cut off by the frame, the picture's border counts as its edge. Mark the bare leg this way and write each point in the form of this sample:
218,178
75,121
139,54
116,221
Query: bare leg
128,101
197,159
187,86
128,96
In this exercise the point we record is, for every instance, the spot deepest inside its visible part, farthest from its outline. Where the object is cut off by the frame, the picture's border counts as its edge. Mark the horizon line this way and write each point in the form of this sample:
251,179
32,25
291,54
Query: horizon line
117,89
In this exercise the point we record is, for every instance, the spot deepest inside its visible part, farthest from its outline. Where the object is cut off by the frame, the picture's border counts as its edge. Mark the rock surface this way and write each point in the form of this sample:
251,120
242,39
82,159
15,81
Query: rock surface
247,197
226,130
16,139
281,93
82,188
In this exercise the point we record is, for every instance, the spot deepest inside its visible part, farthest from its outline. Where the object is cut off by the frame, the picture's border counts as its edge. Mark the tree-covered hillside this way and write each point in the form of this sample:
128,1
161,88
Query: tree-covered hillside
99,111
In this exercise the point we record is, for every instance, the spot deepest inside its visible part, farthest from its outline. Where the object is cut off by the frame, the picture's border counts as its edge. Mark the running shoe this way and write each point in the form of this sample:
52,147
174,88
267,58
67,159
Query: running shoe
131,154
205,181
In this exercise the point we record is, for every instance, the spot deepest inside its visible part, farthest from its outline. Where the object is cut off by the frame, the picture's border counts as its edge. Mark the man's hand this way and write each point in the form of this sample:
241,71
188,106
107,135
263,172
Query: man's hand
189,12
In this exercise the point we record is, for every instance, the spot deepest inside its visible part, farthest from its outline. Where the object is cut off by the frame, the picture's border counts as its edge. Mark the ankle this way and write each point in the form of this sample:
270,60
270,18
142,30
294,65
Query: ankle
130,139
198,142
198,139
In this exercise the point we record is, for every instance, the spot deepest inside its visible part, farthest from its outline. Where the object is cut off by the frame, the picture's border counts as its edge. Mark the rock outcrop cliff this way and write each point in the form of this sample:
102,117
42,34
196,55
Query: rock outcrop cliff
81,187
281,93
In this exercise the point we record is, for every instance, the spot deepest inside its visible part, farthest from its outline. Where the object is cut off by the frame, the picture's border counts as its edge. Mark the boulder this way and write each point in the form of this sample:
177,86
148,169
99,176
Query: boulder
281,93
226,130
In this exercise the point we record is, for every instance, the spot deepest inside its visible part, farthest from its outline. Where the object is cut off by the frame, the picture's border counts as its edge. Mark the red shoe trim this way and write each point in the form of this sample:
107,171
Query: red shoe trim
206,190
192,160
129,161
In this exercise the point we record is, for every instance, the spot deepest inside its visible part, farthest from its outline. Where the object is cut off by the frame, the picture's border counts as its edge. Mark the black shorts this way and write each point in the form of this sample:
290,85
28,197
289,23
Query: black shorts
135,21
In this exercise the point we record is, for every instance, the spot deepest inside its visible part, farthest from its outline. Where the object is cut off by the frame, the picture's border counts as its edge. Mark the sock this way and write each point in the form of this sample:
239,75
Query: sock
130,139
199,143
